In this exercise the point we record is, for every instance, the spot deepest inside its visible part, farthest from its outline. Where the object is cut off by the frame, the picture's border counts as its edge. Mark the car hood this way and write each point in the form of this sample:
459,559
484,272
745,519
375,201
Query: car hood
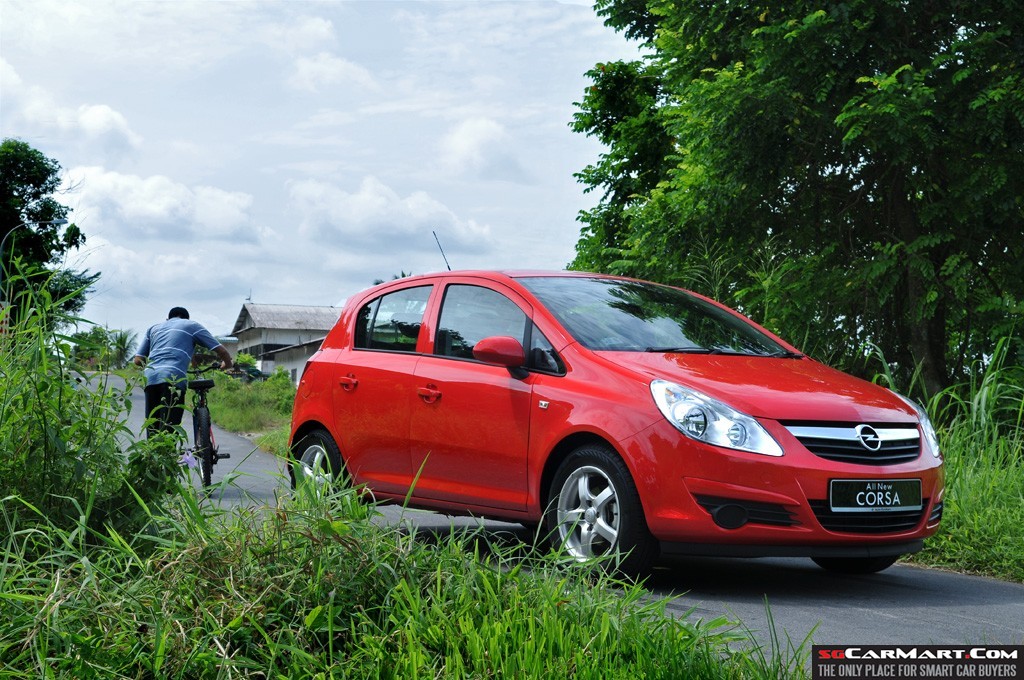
776,388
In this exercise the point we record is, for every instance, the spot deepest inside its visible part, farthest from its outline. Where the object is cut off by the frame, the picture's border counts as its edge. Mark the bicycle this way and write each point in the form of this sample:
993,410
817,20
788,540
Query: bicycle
205,448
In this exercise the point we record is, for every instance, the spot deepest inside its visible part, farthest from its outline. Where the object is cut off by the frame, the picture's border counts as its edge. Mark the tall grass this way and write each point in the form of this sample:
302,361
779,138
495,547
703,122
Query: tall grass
252,407
67,456
981,429
981,434
316,589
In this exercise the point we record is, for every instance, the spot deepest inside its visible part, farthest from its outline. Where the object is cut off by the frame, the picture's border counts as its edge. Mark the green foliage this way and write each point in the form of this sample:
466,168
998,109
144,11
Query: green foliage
875,148
102,349
245,359
28,210
252,407
276,441
65,445
394,277
983,444
316,588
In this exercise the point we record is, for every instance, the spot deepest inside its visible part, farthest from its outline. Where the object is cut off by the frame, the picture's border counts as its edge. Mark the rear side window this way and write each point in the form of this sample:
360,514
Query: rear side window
471,313
392,322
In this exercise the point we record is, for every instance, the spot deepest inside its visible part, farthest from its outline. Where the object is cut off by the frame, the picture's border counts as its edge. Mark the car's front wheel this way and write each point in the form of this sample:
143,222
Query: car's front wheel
594,511
316,459
855,565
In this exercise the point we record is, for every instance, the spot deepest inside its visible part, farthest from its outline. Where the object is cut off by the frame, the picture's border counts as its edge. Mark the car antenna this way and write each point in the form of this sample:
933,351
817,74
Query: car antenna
441,249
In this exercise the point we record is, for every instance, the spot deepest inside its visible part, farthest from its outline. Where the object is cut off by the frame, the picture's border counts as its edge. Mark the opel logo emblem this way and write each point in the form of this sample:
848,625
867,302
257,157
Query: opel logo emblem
868,437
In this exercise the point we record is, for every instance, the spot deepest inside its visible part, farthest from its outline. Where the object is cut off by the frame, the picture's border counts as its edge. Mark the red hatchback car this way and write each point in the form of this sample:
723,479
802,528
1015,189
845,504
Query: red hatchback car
632,419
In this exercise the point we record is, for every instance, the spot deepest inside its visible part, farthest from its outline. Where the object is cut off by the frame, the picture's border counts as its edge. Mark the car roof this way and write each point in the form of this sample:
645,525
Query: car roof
508,273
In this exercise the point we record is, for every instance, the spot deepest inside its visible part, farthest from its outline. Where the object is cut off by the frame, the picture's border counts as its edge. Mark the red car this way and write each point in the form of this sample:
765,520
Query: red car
632,419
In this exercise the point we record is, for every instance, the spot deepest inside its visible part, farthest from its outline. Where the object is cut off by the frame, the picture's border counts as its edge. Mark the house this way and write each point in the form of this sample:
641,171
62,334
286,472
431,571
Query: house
291,359
262,330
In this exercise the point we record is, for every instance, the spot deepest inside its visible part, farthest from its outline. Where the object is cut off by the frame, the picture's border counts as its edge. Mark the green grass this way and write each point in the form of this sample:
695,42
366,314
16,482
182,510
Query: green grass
275,441
252,407
314,588
981,431
260,408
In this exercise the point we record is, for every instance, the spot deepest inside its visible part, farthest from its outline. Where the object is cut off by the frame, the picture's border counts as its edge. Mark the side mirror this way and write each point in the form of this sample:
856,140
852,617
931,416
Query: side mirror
500,350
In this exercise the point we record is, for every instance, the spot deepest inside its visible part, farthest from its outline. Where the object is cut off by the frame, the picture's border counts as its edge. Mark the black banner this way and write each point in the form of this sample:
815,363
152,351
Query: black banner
924,662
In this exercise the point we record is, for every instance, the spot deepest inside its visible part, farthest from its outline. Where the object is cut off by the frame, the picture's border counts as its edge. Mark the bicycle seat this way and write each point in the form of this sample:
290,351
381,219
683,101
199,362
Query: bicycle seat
202,384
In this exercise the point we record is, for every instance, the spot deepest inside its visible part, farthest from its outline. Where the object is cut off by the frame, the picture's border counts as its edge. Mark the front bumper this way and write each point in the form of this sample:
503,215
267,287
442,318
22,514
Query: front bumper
701,499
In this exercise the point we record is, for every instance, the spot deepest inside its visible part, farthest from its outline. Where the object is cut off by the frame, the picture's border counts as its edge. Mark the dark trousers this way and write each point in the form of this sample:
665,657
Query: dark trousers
164,403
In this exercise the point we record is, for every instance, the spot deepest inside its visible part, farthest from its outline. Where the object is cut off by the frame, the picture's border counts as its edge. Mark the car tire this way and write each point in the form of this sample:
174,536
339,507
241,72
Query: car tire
317,458
594,512
855,565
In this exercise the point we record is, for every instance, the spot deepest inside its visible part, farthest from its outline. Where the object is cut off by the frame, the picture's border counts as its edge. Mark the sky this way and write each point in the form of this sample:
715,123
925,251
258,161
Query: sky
216,152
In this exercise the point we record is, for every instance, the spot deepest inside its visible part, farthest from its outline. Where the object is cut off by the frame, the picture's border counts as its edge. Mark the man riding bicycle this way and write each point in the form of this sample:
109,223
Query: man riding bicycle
166,352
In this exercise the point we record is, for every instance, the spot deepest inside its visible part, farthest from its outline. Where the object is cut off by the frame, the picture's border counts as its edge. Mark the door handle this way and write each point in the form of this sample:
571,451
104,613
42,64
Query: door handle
348,383
429,394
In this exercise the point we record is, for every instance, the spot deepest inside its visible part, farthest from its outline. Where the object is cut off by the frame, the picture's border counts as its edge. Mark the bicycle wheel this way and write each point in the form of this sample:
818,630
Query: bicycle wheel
204,443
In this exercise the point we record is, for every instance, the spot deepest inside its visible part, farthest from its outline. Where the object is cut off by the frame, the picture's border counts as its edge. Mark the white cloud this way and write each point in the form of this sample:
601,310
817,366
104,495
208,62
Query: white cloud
464,147
324,70
97,127
99,121
157,207
483,147
302,34
377,218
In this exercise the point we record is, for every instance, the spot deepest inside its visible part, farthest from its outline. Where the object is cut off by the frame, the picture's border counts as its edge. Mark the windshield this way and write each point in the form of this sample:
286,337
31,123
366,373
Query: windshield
635,316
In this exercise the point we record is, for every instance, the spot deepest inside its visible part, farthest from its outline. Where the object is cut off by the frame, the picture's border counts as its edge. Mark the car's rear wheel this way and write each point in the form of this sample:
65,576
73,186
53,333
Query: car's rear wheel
316,460
594,512
855,565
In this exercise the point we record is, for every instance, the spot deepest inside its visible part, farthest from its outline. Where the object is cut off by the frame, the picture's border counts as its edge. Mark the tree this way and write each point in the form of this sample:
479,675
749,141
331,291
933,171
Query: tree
91,347
856,168
32,224
121,347
394,277
102,348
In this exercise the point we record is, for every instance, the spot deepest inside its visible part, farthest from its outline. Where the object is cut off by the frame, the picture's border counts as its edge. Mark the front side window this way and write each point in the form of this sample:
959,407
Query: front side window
392,322
471,313
542,355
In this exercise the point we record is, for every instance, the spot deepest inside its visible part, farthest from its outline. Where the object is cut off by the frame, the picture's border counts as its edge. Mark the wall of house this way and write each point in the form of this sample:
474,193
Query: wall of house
258,341
292,360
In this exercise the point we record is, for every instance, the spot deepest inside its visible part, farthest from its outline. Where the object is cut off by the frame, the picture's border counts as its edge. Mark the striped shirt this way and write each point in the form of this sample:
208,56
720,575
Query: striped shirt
169,346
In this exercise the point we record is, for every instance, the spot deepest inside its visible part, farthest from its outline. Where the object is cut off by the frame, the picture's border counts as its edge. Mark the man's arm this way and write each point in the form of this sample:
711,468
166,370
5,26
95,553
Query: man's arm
140,361
224,356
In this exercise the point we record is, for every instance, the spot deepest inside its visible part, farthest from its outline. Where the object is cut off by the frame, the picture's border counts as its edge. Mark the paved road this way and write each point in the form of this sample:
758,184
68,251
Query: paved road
904,604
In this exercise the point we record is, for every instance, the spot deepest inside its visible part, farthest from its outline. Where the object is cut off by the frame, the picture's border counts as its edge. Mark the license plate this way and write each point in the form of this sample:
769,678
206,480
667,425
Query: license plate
875,495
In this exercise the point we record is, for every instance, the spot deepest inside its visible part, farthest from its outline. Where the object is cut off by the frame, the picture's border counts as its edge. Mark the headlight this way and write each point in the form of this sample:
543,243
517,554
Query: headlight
930,435
708,420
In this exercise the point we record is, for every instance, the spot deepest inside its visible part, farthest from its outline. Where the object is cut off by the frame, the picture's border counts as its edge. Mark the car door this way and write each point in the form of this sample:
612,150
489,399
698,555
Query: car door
374,388
470,421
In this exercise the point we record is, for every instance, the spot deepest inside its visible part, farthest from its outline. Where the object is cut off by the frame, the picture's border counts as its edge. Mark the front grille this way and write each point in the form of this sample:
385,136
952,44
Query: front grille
866,522
757,512
844,443
936,515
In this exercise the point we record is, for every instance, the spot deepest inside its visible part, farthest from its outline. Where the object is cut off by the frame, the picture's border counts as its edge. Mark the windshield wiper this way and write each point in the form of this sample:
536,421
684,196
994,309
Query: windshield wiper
786,354
723,351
